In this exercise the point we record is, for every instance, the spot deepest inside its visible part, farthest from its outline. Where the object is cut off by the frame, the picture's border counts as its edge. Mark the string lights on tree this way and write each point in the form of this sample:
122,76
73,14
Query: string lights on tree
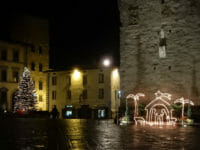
25,98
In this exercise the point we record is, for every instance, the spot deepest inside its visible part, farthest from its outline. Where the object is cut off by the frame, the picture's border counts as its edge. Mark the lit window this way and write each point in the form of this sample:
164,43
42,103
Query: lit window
68,113
101,113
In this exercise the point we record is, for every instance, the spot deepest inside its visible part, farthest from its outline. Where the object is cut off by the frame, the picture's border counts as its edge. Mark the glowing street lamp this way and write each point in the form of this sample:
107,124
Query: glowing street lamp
106,63
76,74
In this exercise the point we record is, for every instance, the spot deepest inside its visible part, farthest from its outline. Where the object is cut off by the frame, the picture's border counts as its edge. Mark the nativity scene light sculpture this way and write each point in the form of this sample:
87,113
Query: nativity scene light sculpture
159,110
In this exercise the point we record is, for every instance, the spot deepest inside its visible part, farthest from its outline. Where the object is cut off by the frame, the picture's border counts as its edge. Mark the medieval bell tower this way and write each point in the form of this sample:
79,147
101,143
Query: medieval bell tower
160,47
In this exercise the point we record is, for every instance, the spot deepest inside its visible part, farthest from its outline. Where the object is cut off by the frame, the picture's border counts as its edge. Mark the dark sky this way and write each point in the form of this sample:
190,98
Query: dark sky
81,31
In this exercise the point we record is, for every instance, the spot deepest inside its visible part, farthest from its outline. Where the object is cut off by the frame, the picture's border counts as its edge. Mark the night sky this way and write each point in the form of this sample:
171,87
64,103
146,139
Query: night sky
82,32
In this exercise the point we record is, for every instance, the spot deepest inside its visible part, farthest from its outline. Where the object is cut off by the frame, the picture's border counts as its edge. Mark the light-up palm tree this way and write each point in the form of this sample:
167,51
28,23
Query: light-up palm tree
135,98
183,102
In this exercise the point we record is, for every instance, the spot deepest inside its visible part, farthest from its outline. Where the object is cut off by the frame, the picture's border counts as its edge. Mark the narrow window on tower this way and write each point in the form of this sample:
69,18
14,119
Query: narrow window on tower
162,45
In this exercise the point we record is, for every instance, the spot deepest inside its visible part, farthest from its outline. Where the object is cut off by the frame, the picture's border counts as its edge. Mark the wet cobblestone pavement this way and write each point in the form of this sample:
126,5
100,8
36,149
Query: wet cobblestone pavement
76,134
105,135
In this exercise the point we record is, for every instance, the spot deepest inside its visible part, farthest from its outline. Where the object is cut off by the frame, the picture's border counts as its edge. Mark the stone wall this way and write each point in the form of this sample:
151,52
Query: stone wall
141,68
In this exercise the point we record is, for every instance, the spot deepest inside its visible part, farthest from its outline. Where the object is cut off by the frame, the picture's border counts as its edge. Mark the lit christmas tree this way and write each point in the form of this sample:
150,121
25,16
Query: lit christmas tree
25,99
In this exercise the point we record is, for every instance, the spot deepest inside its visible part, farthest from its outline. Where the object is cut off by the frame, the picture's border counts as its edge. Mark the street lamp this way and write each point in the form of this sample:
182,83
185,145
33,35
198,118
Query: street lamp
106,62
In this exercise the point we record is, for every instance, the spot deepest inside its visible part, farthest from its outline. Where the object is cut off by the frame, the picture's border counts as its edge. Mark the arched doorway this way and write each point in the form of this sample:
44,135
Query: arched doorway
3,98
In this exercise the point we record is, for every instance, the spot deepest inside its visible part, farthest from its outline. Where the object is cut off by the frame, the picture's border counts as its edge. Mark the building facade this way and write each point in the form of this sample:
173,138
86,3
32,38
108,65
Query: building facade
28,49
84,93
159,48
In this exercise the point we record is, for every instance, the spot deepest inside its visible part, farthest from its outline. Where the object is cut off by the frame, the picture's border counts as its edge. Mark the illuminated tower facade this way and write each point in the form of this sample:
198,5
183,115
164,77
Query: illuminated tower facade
160,47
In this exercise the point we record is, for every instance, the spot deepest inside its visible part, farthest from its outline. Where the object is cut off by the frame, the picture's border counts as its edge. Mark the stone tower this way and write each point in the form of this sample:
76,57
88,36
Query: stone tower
160,47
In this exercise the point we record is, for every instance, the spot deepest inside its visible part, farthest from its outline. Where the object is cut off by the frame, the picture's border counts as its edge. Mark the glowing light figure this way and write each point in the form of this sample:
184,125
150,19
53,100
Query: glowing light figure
136,98
139,120
183,102
162,116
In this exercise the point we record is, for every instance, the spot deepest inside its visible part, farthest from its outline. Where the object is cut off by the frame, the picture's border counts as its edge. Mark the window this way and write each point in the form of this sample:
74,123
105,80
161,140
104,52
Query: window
162,1
84,80
68,80
101,113
40,85
101,78
54,80
53,95
101,93
40,98
68,94
32,48
32,66
84,94
4,55
15,76
40,49
4,75
40,67
68,113
15,56
162,42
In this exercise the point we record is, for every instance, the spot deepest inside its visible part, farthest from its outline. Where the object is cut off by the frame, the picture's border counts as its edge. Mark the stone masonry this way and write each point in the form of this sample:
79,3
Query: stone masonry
148,26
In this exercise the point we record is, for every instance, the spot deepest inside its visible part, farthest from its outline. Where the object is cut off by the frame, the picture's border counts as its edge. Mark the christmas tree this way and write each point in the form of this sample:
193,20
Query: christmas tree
25,98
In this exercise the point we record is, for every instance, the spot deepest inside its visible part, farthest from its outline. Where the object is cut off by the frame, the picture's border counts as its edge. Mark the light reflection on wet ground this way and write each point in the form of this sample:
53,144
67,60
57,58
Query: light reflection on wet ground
42,134
87,134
